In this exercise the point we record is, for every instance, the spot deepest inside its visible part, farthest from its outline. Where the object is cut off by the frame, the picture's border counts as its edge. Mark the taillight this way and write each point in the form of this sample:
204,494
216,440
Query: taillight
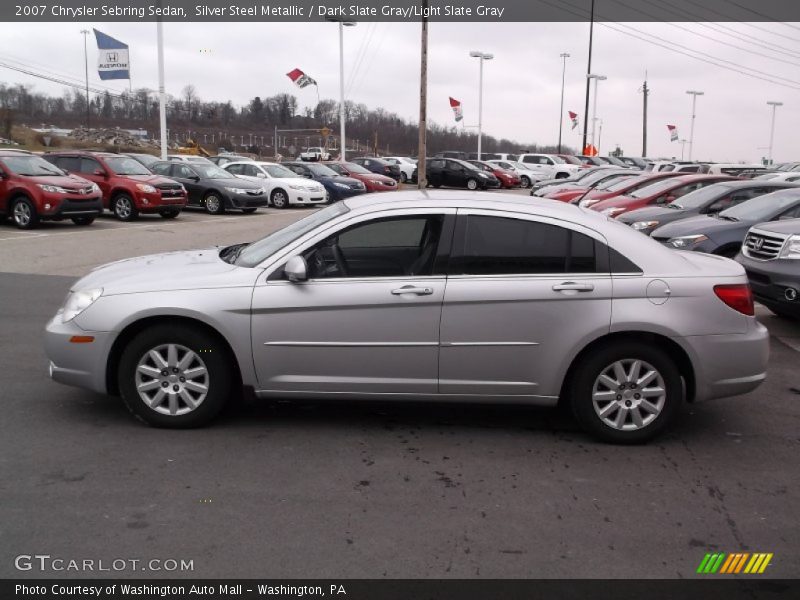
737,296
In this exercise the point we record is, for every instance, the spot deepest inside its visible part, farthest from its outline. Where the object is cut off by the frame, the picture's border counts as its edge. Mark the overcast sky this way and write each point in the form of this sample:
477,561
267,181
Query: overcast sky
521,85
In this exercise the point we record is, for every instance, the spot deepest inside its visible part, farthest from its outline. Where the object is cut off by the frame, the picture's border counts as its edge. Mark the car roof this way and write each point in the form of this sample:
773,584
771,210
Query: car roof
10,152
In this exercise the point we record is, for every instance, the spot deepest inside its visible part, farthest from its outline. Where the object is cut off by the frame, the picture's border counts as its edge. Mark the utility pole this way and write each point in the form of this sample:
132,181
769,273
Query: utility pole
564,56
645,93
85,33
774,104
588,72
694,94
422,144
162,96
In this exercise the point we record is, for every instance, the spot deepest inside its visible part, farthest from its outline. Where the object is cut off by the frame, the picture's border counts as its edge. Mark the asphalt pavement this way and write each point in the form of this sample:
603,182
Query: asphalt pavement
369,490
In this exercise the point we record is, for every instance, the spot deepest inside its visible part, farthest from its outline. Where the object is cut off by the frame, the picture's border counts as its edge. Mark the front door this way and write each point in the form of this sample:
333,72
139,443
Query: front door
189,179
523,294
367,318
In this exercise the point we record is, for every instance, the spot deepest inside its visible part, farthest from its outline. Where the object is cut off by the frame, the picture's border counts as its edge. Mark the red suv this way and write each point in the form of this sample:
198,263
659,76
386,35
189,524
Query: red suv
32,190
128,187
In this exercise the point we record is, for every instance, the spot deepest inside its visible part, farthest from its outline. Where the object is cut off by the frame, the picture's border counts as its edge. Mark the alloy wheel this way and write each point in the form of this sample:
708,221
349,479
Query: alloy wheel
629,394
123,207
279,200
22,214
212,204
172,379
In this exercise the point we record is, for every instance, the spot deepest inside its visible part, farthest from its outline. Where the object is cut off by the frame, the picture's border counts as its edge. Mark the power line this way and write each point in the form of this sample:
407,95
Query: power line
760,14
726,16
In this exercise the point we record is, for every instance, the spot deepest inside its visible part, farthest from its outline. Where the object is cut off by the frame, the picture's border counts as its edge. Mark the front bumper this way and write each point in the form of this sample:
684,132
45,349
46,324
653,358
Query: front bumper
81,365
728,365
774,281
155,202
63,207
247,200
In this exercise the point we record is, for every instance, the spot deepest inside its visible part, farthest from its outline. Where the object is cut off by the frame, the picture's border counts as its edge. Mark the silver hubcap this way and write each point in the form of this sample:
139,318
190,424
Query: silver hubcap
22,213
629,394
279,199
172,380
212,203
471,184
123,207
525,182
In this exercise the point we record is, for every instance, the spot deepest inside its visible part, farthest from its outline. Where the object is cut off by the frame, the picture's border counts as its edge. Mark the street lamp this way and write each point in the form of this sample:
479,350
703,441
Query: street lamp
774,105
85,33
694,94
564,56
594,102
482,56
342,25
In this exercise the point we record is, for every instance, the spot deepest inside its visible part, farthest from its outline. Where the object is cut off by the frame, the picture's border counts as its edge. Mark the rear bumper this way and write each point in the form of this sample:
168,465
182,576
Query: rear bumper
728,365
80,365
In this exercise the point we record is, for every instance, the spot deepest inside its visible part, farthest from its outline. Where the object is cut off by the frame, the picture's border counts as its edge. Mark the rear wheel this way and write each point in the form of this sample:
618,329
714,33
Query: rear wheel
123,207
472,184
403,177
525,181
83,221
174,376
279,199
626,393
213,203
24,214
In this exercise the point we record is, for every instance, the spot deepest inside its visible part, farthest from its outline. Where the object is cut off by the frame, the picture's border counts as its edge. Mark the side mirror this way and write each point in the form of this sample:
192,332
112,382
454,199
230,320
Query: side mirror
195,178
100,173
261,175
308,175
296,269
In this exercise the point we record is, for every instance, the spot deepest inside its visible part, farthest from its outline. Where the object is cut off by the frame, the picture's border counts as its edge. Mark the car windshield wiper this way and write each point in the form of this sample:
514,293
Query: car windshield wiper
726,217
230,253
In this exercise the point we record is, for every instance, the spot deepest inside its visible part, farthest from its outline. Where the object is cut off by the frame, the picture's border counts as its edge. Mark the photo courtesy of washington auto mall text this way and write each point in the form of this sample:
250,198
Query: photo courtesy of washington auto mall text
399,299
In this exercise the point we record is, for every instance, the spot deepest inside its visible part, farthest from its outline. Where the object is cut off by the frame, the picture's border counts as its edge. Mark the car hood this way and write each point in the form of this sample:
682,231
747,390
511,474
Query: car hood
238,182
194,269
69,181
349,181
698,224
376,176
786,226
655,213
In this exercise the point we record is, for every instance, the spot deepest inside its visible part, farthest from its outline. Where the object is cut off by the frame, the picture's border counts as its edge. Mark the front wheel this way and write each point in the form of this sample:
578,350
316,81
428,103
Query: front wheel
626,393
24,214
83,221
279,199
525,182
472,184
403,178
213,203
124,208
174,376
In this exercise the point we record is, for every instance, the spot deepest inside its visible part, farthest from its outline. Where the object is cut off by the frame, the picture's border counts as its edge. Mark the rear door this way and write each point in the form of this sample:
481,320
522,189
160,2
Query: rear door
523,294
186,175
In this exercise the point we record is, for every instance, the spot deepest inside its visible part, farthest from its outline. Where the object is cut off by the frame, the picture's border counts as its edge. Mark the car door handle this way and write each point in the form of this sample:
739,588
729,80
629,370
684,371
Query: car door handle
410,289
573,286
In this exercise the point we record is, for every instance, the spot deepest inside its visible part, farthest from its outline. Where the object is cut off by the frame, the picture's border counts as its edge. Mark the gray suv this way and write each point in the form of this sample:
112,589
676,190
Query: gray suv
421,296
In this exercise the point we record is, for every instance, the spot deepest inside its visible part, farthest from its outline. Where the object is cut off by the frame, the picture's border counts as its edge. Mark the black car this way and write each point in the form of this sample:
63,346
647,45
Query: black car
148,160
378,165
705,201
771,256
337,186
724,232
213,188
450,172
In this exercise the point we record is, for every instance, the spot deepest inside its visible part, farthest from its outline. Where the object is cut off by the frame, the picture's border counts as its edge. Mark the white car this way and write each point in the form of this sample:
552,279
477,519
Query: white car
551,165
407,166
790,176
315,153
527,176
284,187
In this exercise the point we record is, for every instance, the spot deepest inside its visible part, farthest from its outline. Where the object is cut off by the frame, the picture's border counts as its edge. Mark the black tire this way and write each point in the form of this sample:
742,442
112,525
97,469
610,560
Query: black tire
213,356
562,175
249,211
403,177
83,221
279,198
437,185
525,182
213,203
596,363
124,208
24,214
780,311
472,184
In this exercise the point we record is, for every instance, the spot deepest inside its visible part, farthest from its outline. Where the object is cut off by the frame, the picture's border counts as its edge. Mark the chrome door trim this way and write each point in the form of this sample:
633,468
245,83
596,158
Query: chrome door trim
452,344
351,344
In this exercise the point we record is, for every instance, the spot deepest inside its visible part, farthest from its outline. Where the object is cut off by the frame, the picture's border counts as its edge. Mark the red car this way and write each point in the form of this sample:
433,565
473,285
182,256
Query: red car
507,179
373,181
128,187
33,190
659,193
624,186
593,182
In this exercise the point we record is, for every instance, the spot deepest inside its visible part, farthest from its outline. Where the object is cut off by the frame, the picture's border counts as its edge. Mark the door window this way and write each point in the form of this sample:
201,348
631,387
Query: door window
183,171
505,246
69,163
89,165
235,169
391,247
161,168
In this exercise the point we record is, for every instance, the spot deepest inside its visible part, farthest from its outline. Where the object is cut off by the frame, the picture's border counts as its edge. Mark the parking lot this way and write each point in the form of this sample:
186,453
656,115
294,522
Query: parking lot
368,490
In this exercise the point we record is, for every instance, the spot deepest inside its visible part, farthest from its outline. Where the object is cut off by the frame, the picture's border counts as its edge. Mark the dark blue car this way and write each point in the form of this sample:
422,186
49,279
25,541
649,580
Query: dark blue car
338,187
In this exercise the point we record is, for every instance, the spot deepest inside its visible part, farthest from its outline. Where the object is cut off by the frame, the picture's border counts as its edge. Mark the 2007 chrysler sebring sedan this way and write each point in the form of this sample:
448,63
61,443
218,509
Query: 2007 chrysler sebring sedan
422,296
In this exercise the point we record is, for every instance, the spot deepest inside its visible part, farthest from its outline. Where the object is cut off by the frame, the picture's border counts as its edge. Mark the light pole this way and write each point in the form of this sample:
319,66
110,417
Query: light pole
774,104
85,33
564,56
594,102
481,56
342,25
683,146
694,94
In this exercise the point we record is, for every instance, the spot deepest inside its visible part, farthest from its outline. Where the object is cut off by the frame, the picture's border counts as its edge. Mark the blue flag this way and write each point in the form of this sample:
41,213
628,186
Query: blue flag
112,57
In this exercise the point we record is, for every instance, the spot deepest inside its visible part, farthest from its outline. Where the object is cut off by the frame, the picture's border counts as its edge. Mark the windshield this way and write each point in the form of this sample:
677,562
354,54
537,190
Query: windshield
123,165
146,159
321,170
701,197
211,171
625,183
761,207
655,188
571,160
259,251
33,166
595,177
278,171
613,180
354,168
558,159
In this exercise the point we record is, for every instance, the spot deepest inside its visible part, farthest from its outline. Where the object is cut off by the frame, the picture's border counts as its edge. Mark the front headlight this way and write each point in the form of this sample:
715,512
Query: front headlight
77,302
342,185
792,248
685,241
235,190
95,187
147,189
293,186
640,225
54,189
484,175
587,203
613,212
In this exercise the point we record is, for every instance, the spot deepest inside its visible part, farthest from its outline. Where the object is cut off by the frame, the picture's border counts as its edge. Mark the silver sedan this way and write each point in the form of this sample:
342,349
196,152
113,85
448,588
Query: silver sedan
424,296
